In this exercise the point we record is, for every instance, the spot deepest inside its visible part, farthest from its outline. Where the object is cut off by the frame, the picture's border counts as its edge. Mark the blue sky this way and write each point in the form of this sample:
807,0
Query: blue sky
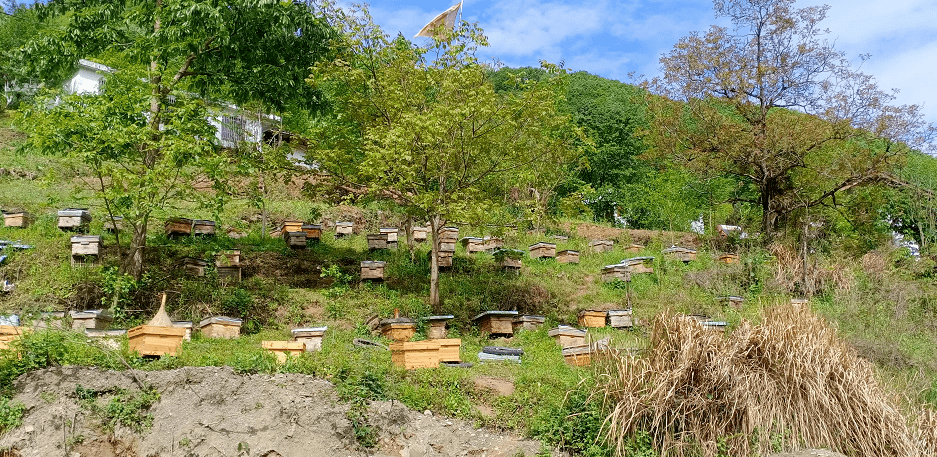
614,38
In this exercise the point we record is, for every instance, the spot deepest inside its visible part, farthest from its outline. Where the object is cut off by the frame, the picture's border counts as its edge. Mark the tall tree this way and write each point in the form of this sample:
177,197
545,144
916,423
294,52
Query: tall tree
423,126
771,102
243,51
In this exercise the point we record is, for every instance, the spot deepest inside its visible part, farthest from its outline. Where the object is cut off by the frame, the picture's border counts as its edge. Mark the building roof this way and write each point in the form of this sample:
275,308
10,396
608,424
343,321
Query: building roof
95,66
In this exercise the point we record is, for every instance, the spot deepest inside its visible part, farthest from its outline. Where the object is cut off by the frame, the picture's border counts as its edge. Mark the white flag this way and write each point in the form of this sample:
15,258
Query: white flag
446,18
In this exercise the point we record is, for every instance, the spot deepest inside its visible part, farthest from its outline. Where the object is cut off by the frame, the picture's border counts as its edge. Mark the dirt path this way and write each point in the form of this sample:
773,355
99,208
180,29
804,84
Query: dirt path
213,411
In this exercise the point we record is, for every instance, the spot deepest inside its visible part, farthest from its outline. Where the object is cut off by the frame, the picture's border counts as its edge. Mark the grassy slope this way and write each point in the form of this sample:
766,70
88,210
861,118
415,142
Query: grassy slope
885,304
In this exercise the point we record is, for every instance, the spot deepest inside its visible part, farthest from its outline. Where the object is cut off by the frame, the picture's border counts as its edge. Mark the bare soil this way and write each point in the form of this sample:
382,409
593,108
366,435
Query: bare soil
601,232
213,411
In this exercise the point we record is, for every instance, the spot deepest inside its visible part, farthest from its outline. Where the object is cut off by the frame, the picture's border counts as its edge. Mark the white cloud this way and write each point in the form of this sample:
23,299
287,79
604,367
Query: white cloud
540,29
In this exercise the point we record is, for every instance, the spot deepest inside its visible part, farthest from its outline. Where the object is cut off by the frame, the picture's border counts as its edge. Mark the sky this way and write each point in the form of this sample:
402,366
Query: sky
613,39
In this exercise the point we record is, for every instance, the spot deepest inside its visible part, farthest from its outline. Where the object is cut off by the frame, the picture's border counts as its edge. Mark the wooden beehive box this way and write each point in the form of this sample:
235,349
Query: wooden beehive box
716,326
684,255
149,340
74,219
496,322
417,354
203,227
420,234
83,245
343,229
449,349
178,226
602,245
639,265
493,243
229,273
620,272
220,327
578,355
313,232
284,349
94,319
19,219
473,244
51,319
108,338
311,337
444,259
373,269
187,325
291,226
194,267
437,326
568,336
567,256
634,248
620,318
398,329
449,235
377,241
9,333
295,240
228,258
729,259
592,318
542,250
799,301
527,322
113,224
390,233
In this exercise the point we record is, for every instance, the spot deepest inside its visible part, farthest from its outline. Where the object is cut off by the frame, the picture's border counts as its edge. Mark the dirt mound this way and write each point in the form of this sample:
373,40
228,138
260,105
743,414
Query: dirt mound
213,411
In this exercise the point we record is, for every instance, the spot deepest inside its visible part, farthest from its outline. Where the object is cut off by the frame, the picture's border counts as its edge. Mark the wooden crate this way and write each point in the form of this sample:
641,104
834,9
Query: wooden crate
377,241
716,326
620,318
446,246
226,274
94,319
203,227
390,233
729,259
291,226
313,232
684,255
449,349
5,341
799,301
228,258
449,235
284,349
444,259
295,240
311,337
220,327
634,248
602,245
578,355
542,251
531,323
496,322
568,336
343,229
74,219
155,341
619,272
493,243
373,269
417,354
420,234
567,256
437,326
178,226
509,264
19,219
113,224
12,330
187,325
592,318
86,245
398,329
639,265
194,267
473,244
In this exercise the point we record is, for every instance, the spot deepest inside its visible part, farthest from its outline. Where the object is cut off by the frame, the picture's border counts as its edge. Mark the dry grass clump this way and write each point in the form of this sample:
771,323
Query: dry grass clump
787,383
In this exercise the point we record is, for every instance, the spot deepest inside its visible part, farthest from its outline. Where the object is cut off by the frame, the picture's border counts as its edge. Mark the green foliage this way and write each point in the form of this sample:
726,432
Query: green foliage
122,407
11,414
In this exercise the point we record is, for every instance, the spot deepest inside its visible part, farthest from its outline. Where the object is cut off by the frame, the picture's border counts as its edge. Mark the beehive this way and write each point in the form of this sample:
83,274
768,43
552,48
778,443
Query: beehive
602,245
509,264
684,255
417,354
220,327
284,349
716,326
229,273
372,269
446,246
187,325
295,240
542,251
398,329
311,337
420,234
291,226
178,226
377,241
449,349
578,355
194,267
568,336
203,227
228,258
113,224
9,333
634,248
496,322
85,245
343,229
51,319
473,244
620,272
531,323
444,259
639,265
449,235
567,256
19,219
620,318
150,340
108,338
390,233
798,301
74,219
94,319
729,259
592,318
437,326
313,232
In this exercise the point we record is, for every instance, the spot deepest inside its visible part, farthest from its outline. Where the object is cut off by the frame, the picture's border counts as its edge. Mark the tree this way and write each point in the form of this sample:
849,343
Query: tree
17,27
243,51
773,104
424,127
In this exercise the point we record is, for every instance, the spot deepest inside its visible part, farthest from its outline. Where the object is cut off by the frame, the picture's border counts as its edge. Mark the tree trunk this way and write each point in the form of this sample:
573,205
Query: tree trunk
409,232
434,266
133,264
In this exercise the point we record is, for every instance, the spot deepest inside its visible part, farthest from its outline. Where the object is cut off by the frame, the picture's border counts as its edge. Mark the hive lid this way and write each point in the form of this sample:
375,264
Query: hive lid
312,226
103,333
203,222
439,318
219,320
636,260
389,230
577,350
372,263
569,251
397,320
567,331
615,267
532,318
600,242
309,330
73,212
92,313
714,323
542,244
592,311
495,313
183,220
731,297
82,239
344,224
183,324
674,249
